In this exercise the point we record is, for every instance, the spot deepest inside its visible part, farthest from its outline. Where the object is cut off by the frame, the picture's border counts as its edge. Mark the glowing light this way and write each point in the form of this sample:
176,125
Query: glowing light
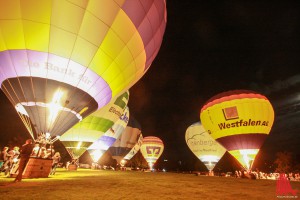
122,163
209,158
248,159
47,136
96,154
151,165
78,145
54,106
83,110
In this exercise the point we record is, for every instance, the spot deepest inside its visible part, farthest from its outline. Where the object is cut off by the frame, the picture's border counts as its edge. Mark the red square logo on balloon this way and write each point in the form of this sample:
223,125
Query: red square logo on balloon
230,113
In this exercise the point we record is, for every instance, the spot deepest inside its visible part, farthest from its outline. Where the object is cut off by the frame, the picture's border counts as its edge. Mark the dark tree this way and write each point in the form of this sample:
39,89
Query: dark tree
283,162
137,161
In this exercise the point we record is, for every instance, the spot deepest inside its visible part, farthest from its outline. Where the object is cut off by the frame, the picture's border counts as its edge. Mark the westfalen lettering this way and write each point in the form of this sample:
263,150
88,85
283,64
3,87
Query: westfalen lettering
242,122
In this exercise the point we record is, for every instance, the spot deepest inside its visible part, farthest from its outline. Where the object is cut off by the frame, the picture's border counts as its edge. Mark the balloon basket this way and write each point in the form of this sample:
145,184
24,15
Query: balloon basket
72,167
35,168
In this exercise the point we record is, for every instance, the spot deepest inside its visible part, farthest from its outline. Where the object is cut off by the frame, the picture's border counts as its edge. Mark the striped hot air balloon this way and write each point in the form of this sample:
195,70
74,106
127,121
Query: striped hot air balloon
61,60
134,149
127,140
240,120
151,149
83,134
102,144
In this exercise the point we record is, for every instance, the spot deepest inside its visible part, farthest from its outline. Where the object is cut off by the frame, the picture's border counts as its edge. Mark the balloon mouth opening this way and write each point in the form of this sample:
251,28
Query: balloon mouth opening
96,154
248,156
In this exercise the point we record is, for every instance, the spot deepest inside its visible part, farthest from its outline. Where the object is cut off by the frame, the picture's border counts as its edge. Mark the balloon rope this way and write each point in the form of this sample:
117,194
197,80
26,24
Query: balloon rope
27,124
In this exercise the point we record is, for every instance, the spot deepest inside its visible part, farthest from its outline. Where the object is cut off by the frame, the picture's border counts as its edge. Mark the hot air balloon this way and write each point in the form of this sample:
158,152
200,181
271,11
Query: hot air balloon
101,145
83,134
135,149
240,120
127,140
151,149
203,145
62,60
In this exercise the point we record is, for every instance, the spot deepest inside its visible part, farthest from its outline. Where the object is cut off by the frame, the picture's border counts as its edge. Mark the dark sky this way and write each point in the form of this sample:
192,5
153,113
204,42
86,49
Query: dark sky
211,47
214,46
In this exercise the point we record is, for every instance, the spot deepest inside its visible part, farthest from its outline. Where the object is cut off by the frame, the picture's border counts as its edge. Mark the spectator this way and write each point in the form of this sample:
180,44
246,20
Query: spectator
26,151
3,158
56,158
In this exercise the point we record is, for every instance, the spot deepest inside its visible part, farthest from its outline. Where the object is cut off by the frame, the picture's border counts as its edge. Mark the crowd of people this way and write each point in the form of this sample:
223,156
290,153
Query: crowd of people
262,175
9,158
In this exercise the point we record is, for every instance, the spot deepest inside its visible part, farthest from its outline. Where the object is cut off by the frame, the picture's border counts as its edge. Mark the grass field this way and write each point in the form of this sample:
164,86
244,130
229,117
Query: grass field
101,184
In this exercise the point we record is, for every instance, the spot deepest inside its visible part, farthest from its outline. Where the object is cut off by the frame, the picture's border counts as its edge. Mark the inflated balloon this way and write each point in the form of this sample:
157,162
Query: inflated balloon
83,134
135,149
203,145
61,60
151,149
127,140
240,120
101,145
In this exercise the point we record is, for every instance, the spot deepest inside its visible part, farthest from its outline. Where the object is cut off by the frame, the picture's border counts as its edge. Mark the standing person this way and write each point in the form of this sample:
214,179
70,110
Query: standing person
26,150
50,151
56,159
4,158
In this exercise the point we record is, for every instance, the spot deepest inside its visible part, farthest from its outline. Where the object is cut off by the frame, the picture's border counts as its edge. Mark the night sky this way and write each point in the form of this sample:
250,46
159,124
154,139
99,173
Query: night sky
211,47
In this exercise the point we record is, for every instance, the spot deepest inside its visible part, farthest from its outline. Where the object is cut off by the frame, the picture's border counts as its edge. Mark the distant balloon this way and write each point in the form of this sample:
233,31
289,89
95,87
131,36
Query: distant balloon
100,146
127,140
62,60
203,145
151,149
83,134
240,120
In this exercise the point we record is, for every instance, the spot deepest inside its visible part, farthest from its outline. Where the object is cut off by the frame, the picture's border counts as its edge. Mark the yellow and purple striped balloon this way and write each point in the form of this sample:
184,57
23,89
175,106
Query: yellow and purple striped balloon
60,60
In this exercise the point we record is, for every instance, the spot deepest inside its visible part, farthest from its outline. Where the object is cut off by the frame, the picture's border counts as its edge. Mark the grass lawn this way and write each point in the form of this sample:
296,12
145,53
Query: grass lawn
101,184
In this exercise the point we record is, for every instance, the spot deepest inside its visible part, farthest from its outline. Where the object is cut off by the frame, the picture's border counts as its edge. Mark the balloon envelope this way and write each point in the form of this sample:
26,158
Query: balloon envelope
240,120
203,145
77,139
151,149
62,60
135,149
101,145
127,140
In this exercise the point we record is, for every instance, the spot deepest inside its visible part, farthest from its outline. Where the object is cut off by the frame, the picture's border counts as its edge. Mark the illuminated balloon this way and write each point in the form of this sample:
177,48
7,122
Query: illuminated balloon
61,60
203,145
83,134
127,140
135,149
100,146
151,149
240,120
